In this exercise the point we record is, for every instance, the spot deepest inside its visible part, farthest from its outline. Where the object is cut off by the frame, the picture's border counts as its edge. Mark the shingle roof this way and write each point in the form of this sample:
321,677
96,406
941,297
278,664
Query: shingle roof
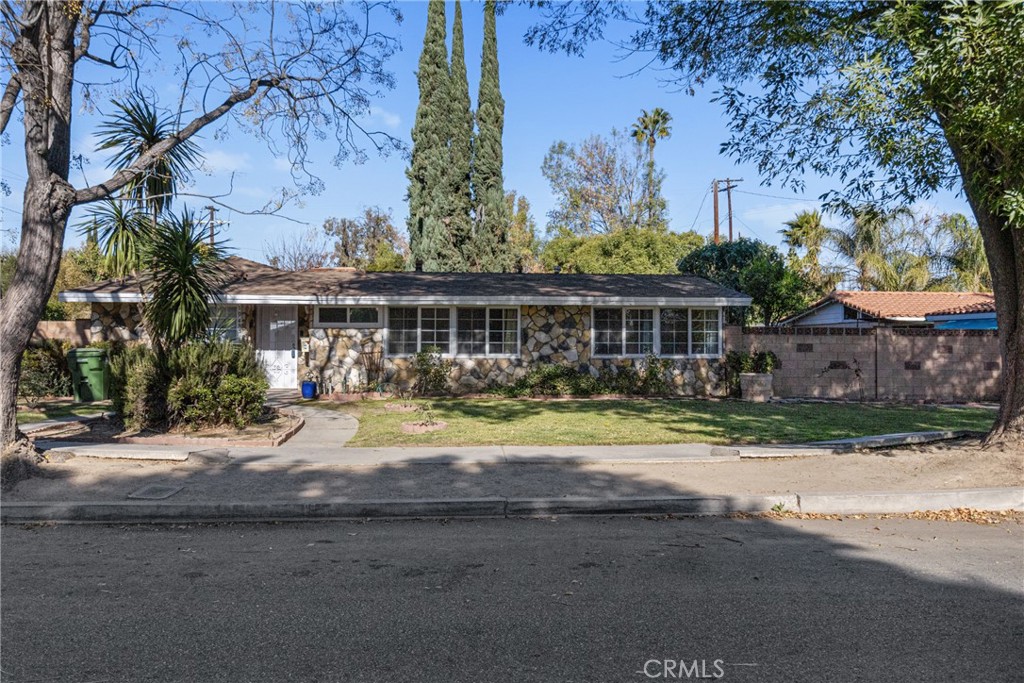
896,305
249,280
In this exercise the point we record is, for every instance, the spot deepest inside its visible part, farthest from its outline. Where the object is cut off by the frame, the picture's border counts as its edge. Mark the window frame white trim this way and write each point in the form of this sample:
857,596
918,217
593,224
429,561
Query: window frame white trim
657,333
318,324
453,333
239,322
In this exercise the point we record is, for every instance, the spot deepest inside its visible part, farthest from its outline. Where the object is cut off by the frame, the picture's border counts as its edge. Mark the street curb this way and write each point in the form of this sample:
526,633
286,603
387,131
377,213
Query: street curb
821,503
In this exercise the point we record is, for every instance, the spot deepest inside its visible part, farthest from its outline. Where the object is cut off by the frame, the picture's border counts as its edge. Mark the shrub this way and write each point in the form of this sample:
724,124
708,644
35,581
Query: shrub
200,384
432,371
552,380
44,372
737,362
137,388
653,381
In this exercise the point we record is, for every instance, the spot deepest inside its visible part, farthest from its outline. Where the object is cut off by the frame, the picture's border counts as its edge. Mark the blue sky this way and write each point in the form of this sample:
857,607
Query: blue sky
547,98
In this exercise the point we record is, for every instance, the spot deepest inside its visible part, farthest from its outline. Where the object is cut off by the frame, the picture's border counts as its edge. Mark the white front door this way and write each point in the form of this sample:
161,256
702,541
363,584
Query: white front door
276,340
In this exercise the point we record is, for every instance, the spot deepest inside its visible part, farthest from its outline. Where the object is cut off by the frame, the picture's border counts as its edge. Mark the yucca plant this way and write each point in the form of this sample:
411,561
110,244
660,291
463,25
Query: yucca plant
131,132
186,274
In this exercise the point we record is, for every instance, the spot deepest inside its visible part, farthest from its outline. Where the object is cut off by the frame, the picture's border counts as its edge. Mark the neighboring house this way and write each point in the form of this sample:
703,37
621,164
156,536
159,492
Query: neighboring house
869,309
978,316
352,328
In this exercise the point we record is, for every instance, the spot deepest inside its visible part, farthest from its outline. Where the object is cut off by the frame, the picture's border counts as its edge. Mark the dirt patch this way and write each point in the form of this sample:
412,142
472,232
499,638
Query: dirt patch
401,407
423,427
339,397
111,430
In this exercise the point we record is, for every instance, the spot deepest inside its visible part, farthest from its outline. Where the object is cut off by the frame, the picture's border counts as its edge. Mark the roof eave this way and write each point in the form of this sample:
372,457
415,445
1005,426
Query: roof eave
378,300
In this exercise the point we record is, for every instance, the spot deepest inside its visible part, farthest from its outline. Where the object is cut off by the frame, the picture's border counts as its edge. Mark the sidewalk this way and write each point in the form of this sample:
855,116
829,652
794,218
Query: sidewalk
314,476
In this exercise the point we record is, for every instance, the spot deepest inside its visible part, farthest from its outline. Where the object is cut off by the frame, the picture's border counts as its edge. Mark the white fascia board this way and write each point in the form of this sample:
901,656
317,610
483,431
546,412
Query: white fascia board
131,297
905,319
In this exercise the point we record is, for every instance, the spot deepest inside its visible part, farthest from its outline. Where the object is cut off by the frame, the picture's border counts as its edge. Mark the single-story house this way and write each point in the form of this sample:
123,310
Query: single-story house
977,316
894,309
351,328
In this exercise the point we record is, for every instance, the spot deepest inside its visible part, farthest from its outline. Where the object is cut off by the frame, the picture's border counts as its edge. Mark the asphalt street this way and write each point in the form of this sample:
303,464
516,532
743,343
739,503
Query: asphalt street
570,599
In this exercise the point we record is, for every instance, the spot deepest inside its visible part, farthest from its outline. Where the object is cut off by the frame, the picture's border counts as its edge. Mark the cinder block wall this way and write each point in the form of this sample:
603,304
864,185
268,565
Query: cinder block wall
879,364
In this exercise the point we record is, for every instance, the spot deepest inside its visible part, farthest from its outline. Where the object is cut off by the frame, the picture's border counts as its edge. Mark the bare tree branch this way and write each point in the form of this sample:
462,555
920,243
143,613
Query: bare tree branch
10,98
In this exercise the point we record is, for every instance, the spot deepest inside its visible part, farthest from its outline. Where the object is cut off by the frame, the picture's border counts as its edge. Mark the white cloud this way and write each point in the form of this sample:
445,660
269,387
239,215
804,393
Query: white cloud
282,164
219,161
386,118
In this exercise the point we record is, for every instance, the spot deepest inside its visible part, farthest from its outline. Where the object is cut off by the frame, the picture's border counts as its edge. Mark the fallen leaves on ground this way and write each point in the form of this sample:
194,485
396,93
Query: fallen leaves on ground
952,515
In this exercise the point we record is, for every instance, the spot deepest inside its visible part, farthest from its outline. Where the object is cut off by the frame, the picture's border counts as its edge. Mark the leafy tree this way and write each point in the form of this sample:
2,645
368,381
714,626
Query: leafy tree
599,188
489,246
895,99
386,259
522,234
648,129
775,289
431,200
287,77
623,251
81,266
371,238
753,267
807,232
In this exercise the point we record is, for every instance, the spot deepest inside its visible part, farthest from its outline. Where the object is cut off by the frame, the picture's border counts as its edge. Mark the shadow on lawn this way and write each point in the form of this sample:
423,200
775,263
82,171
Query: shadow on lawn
696,420
800,605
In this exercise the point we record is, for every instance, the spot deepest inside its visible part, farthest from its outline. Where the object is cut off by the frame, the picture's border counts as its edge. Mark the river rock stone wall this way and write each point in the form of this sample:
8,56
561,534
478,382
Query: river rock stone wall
353,359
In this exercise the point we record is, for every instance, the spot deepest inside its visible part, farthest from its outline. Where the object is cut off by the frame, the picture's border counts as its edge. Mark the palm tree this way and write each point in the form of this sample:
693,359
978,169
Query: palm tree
186,273
867,238
132,131
962,255
122,231
648,129
807,231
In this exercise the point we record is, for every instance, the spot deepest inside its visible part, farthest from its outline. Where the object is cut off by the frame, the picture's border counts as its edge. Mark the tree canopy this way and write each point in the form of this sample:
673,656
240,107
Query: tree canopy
890,100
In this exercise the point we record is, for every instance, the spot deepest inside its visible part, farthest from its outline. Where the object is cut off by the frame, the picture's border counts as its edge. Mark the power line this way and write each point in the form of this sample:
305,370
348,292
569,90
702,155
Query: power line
775,196
701,208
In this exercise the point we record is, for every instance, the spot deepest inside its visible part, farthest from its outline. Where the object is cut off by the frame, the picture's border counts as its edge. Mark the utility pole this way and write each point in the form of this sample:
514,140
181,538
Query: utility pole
714,191
728,198
728,192
213,216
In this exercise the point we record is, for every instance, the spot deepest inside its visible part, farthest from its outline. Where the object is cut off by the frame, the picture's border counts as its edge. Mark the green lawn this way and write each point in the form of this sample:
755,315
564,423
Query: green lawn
48,410
480,422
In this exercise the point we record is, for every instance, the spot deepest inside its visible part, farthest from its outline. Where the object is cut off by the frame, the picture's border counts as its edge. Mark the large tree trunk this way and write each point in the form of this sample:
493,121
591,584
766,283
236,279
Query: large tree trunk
1004,248
44,55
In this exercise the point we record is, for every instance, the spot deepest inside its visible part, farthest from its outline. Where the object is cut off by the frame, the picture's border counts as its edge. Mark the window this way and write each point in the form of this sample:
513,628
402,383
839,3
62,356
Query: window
471,333
224,323
608,331
436,328
402,331
503,331
665,331
704,331
639,331
346,316
675,331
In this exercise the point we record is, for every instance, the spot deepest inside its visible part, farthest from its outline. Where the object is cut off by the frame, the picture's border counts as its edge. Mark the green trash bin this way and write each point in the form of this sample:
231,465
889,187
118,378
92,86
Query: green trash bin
89,375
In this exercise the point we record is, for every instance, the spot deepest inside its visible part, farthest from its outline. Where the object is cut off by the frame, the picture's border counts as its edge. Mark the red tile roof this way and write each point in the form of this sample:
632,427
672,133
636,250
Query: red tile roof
980,307
913,304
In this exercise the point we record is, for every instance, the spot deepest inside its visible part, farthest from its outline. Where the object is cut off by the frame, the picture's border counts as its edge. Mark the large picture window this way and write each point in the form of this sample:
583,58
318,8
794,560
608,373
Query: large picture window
664,332
465,331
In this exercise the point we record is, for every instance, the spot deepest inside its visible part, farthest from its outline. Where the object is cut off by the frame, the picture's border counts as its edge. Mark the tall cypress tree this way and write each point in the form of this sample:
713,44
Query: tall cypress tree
430,195
490,249
461,146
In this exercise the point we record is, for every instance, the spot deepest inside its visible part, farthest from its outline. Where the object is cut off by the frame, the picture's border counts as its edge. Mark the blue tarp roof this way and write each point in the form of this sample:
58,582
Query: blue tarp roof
975,324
